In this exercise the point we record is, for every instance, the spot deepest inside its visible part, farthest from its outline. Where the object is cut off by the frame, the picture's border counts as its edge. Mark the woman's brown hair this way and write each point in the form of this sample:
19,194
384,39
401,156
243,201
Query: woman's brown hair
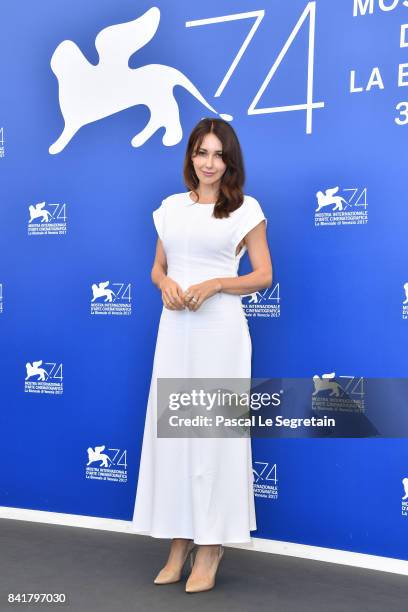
230,195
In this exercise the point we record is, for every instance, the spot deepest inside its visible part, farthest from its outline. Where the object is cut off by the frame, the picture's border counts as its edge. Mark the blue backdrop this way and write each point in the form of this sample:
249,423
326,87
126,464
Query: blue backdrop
317,95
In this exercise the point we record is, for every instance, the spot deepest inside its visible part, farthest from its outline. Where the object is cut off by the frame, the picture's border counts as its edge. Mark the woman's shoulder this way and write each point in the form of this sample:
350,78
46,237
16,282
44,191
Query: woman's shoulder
249,199
176,197
249,203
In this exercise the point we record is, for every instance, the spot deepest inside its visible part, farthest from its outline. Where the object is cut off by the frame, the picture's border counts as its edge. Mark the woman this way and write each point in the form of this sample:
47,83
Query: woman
199,491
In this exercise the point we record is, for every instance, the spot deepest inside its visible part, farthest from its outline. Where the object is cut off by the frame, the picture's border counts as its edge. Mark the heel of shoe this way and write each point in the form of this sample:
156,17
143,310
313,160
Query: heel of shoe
191,555
194,588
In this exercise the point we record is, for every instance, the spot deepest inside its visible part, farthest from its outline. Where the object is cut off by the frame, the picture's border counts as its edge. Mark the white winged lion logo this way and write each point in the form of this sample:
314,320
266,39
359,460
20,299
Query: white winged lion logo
88,93
329,197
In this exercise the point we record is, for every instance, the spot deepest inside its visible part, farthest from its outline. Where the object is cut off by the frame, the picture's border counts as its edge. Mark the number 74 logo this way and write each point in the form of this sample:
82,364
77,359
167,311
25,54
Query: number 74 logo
309,14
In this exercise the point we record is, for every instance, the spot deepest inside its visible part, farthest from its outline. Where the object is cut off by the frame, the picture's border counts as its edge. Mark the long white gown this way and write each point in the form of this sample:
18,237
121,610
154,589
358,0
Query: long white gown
199,488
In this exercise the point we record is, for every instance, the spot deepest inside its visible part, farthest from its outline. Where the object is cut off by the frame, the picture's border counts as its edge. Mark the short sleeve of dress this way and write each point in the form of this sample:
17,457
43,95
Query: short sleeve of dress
251,216
158,218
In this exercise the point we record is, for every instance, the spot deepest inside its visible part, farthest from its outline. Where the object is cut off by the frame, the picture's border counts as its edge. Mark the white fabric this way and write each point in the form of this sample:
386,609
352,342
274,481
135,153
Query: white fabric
199,488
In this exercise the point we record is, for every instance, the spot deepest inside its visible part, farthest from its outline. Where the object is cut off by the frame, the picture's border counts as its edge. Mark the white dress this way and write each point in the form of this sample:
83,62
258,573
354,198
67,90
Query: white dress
199,488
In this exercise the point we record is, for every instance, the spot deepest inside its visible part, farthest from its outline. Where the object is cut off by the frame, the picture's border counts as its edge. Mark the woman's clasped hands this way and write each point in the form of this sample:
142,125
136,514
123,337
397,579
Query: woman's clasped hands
174,298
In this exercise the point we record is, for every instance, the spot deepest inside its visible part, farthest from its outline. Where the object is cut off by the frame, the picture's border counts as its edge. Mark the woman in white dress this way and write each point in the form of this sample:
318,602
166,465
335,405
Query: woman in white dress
199,491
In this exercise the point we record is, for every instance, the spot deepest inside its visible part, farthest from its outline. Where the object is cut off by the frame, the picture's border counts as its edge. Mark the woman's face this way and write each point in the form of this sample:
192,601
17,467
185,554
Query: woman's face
208,163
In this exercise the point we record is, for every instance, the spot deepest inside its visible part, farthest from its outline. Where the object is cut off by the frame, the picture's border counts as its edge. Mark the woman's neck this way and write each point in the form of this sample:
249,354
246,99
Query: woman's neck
206,194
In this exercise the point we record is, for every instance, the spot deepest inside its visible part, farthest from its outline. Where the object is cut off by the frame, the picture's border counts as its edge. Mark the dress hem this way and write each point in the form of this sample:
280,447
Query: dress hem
191,537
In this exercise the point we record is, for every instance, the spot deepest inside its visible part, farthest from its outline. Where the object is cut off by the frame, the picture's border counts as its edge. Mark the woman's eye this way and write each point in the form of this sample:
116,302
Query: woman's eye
203,153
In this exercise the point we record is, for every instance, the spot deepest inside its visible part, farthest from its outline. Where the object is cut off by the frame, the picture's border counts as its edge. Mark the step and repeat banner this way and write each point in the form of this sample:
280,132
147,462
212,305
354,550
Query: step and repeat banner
96,103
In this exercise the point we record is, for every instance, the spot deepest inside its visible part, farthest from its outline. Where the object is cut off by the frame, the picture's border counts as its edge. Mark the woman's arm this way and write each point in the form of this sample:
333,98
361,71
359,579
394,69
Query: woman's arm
172,293
159,270
261,263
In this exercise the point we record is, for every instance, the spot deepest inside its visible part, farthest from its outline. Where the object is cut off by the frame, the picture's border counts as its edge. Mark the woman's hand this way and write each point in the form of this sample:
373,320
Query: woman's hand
172,294
195,295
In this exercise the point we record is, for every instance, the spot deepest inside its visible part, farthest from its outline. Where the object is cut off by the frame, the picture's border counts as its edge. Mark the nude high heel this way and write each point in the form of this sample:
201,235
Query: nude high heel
168,577
196,586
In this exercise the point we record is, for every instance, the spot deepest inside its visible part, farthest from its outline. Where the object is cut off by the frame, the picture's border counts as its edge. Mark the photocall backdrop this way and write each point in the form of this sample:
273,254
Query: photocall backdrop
96,103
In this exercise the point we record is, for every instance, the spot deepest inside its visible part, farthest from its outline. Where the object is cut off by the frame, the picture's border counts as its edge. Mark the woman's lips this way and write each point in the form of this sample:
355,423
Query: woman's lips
208,173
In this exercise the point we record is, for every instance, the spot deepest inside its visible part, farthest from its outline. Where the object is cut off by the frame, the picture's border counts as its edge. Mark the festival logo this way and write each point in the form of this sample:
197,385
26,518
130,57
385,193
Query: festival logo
404,508
405,302
2,149
44,377
346,208
48,219
346,394
110,465
265,483
111,300
88,93
264,303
